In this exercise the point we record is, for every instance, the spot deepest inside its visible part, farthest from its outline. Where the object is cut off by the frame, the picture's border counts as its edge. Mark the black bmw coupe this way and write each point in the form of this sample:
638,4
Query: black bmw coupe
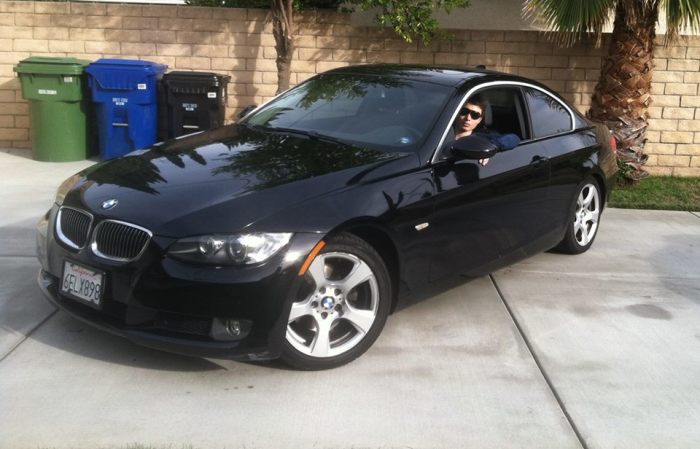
296,231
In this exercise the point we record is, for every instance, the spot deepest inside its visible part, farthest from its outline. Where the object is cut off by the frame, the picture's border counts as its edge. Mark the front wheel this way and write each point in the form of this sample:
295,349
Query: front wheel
340,307
584,219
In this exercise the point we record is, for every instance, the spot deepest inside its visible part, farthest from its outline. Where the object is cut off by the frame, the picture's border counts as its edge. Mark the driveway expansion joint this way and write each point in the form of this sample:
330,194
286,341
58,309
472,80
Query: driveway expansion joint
605,275
539,364
19,343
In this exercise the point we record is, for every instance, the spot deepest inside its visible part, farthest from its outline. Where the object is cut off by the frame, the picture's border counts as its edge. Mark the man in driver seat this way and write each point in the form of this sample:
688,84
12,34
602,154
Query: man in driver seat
470,122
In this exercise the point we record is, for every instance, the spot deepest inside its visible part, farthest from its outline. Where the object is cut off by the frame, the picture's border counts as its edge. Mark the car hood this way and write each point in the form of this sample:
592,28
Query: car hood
226,179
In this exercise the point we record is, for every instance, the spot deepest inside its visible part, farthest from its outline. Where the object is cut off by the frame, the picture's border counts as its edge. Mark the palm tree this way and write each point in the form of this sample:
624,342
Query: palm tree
622,95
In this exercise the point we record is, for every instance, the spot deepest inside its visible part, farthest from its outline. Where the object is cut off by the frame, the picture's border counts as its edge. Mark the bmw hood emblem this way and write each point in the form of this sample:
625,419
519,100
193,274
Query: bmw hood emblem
110,204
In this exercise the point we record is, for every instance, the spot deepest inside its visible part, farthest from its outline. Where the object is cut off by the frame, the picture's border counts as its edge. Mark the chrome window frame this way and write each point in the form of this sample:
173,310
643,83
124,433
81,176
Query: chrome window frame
96,251
64,238
488,84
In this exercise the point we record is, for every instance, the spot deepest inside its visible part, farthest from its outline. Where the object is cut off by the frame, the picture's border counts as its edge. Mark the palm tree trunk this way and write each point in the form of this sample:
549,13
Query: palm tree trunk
283,23
622,95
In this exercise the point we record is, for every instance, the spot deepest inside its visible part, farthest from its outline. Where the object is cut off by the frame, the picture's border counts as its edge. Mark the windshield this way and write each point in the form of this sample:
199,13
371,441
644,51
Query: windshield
378,112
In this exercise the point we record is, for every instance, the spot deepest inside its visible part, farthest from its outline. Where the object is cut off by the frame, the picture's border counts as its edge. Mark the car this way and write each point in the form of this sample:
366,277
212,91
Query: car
294,232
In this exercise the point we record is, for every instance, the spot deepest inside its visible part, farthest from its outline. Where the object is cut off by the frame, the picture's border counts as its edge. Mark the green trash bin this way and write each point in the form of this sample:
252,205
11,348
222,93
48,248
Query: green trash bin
58,107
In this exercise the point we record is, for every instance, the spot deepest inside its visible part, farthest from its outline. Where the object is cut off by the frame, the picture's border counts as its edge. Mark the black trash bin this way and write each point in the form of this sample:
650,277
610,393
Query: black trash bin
191,102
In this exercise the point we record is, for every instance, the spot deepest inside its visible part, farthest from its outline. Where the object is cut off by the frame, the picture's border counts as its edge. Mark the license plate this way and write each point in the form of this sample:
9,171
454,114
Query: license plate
82,283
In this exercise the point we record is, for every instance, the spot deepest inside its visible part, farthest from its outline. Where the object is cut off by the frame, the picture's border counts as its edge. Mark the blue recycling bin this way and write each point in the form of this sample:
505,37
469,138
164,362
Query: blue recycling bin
126,103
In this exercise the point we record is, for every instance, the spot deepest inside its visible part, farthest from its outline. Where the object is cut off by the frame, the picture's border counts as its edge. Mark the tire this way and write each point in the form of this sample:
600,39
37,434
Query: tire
340,308
584,217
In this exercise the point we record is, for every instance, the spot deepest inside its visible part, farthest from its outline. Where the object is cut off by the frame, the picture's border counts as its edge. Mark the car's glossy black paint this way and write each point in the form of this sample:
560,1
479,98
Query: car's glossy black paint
262,173
238,178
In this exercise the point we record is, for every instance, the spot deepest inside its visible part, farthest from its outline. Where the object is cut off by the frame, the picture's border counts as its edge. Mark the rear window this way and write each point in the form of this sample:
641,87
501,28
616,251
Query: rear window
547,114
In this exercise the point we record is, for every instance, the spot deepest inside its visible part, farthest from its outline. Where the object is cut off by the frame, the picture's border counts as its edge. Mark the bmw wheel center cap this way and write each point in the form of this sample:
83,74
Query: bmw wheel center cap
327,303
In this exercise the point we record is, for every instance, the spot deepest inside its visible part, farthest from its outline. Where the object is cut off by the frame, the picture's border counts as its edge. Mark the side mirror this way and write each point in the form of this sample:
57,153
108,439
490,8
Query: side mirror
246,110
473,147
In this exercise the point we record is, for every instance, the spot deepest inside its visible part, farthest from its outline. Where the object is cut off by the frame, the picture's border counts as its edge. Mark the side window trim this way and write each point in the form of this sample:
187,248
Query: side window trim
470,92
526,124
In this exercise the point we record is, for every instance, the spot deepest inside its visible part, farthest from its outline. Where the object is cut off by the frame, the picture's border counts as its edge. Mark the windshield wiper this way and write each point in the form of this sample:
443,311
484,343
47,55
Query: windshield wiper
315,135
251,126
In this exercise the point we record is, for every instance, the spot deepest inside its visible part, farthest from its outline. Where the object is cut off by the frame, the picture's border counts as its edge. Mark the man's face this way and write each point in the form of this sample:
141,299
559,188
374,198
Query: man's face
466,120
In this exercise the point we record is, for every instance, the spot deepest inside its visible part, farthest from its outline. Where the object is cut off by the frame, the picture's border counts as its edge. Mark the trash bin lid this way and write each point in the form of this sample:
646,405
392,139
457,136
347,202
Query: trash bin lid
46,65
146,67
184,77
123,74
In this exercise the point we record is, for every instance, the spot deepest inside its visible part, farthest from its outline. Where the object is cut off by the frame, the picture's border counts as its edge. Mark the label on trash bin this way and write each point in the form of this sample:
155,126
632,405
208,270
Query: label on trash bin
141,86
120,101
48,92
189,106
211,94
67,79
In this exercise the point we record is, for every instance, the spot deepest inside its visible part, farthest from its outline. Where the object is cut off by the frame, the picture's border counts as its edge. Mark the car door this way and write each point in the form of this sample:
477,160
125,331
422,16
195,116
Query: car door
553,125
485,214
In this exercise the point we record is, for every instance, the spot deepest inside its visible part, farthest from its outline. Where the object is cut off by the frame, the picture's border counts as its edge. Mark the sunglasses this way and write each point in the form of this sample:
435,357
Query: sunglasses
475,115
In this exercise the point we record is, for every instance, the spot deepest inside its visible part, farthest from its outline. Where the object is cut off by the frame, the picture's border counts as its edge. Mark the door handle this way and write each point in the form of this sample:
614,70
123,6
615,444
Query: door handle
539,160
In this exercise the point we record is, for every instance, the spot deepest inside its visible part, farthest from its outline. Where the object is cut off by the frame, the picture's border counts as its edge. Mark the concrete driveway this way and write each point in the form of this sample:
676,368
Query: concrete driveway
600,350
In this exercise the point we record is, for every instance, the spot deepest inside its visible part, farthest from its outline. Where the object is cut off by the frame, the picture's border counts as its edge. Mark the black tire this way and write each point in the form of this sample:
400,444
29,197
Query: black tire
581,233
311,301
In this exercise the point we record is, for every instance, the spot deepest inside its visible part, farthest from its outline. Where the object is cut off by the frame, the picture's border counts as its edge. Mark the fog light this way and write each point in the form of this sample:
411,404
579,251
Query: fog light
233,327
228,329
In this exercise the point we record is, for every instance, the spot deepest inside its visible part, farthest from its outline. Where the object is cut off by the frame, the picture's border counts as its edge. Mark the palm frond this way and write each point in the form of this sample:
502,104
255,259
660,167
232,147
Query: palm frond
681,14
571,19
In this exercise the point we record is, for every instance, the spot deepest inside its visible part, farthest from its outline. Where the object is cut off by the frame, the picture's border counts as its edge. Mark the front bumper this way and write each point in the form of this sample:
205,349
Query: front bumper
149,333
168,305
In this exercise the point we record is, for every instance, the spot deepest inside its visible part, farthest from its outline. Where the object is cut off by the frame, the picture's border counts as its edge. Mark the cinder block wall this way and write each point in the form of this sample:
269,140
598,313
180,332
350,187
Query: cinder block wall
239,42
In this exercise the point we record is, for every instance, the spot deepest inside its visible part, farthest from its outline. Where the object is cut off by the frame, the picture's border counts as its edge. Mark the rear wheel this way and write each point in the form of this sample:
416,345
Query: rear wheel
340,308
584,218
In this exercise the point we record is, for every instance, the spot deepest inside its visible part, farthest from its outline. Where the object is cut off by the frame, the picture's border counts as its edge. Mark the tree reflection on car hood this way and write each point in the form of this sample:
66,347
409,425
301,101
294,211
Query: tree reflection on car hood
253,171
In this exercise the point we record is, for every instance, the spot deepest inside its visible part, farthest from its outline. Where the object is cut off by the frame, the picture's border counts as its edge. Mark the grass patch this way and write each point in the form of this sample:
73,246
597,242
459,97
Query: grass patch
659,192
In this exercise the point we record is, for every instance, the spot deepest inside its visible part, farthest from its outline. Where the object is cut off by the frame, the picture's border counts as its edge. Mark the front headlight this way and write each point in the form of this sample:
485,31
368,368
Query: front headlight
65,187
236,249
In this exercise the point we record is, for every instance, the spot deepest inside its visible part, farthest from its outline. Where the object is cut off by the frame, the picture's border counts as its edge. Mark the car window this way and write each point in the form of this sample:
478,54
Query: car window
505,113
548,115
384,113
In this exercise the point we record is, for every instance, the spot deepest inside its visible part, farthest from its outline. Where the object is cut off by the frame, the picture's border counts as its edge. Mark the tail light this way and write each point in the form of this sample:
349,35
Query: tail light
613,144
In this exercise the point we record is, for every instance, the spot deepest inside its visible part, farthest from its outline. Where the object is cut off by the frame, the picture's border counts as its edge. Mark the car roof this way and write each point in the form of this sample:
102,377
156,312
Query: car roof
448,76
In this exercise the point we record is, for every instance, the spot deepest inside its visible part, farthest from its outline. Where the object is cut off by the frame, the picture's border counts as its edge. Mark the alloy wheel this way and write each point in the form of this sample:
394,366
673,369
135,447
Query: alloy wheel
337,309
587,214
